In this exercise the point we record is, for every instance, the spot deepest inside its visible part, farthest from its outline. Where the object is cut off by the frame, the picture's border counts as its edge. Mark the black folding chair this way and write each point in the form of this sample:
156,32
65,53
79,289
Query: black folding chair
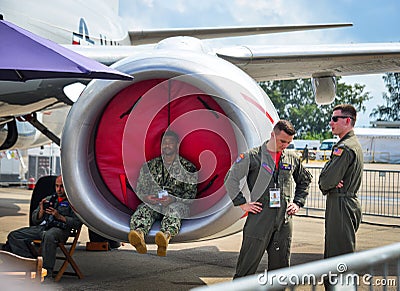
44,187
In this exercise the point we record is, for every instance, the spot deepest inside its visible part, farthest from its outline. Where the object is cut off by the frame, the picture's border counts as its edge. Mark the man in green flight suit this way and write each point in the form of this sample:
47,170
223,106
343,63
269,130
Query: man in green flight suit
340,180
166,185
269,172
53,220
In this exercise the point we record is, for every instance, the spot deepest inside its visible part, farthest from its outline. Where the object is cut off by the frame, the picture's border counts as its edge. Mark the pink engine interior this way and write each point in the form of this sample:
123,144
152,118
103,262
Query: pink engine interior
129,133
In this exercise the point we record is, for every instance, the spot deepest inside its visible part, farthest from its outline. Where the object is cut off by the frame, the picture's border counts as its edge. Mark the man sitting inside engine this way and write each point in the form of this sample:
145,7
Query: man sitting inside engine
166,185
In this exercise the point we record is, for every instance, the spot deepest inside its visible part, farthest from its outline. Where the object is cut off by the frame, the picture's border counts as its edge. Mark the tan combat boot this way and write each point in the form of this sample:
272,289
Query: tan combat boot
136,238
162,240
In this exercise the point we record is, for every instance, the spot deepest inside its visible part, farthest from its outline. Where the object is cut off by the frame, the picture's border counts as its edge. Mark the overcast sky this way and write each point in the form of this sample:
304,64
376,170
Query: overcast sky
374,21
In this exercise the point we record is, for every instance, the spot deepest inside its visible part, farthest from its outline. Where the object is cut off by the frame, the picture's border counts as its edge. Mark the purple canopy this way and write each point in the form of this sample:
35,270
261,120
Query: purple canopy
25,56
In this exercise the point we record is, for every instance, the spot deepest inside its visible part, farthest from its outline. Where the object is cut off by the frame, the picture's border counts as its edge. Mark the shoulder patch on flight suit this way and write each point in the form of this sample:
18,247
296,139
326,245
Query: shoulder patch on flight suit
64,203
286,166
337,152
240,157
268,168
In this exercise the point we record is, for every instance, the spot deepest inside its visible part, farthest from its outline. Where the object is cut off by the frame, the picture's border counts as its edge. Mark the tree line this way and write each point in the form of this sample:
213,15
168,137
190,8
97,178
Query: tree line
294,101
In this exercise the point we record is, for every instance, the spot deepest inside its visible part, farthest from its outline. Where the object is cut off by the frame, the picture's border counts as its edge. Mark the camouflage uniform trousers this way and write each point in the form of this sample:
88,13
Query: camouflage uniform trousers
145,215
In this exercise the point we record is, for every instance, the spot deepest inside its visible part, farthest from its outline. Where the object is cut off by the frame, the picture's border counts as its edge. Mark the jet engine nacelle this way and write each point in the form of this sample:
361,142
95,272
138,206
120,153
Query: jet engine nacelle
324,89
217,110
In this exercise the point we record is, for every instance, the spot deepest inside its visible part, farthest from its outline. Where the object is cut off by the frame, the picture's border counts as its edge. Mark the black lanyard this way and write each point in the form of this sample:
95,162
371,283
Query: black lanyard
276,172
164,178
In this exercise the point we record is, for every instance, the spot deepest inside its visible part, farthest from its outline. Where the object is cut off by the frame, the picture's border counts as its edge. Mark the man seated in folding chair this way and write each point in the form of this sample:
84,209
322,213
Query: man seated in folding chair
53,221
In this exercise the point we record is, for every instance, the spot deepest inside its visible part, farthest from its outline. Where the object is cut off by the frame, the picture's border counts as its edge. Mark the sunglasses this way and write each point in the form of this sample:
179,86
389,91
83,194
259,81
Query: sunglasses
336,118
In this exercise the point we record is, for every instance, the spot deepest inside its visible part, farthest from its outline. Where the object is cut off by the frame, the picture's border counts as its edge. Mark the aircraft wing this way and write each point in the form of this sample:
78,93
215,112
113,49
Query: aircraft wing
264,63
155,35
293,62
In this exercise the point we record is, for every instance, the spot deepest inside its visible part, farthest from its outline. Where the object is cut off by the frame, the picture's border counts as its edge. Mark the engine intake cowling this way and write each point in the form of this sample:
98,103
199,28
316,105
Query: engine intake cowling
217,110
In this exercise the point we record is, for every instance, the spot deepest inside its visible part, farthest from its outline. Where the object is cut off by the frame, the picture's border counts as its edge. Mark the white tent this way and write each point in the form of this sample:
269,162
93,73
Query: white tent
380,145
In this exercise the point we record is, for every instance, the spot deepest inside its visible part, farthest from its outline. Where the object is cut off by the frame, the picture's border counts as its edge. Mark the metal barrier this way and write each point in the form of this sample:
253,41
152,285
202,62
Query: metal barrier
368,270
373,269
379,193
369,156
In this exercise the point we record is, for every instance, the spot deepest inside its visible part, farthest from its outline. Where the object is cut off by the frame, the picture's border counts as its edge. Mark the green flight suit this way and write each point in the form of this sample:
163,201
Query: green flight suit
271,229
48,229
343,210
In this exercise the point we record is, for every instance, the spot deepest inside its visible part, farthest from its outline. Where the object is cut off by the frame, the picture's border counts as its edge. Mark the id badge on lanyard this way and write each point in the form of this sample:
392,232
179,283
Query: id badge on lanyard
162,193
274,197
275,193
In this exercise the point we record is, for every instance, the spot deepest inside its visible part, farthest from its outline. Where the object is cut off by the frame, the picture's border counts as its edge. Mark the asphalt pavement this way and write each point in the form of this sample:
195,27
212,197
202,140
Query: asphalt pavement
187,265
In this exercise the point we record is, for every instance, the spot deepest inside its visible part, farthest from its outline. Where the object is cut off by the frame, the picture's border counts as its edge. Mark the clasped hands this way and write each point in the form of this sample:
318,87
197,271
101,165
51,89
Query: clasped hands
153,199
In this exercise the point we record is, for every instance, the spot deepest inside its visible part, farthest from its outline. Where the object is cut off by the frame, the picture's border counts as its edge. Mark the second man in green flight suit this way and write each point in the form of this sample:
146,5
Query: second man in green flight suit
269,172
340,180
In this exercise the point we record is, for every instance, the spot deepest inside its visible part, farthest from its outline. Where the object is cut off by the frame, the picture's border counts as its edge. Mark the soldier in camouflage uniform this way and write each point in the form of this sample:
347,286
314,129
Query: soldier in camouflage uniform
166,185
340,179
269,172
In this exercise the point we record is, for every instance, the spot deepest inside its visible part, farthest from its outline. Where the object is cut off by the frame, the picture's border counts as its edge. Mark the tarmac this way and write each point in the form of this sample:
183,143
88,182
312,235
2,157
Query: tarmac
187,265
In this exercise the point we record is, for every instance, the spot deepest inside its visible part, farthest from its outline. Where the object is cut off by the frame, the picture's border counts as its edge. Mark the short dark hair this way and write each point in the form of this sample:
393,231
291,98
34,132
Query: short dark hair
172,134
286,126
348,110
